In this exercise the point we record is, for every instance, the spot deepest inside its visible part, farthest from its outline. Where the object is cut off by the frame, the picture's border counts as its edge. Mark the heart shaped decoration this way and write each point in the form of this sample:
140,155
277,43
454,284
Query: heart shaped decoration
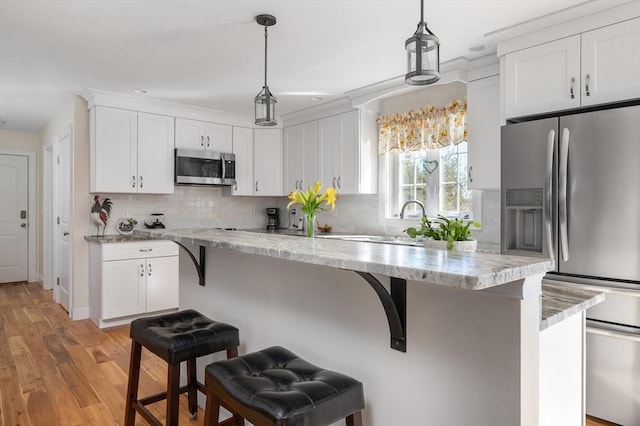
431,166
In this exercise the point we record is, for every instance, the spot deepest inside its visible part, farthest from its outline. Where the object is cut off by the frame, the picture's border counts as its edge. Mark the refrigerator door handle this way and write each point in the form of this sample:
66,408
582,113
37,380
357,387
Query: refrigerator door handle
562,194
551,142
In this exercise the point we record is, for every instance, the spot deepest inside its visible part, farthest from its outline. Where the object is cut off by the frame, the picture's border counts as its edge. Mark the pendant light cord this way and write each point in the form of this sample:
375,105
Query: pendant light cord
265,56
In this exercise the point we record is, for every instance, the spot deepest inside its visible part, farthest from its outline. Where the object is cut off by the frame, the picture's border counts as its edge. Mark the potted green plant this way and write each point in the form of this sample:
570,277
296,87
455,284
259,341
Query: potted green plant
455,234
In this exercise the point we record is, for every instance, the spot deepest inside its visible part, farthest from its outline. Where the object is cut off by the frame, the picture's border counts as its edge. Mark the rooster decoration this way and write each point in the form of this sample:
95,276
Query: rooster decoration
100,213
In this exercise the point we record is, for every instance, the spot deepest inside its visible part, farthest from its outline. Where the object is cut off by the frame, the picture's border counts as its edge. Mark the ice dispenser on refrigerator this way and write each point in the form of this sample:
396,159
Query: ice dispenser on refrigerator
523,220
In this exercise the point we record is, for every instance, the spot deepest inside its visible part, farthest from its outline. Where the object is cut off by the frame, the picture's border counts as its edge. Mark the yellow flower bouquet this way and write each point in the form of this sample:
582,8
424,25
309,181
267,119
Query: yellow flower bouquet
311,202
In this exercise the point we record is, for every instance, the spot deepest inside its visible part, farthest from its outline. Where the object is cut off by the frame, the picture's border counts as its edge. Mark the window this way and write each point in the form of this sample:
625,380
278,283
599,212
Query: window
437,178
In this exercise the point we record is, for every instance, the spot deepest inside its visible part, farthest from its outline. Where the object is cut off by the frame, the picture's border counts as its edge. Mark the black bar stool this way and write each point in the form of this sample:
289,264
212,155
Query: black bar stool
175,337
276,387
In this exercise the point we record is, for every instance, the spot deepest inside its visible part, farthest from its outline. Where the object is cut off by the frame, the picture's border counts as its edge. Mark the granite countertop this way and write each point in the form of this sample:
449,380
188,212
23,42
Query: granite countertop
116,238
560,302
473,271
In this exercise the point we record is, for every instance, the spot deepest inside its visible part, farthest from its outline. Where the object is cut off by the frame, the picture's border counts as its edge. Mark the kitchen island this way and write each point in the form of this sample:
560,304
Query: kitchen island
472,324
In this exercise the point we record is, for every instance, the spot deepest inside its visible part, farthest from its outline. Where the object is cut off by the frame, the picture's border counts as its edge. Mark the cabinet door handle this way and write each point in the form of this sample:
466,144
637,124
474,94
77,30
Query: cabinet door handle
301,185
140,180
235,186
149,269
201,140
141,270
133,181
145,250
469,174
339,182
64,234
256,186
586,84
334,182
208,141
573,82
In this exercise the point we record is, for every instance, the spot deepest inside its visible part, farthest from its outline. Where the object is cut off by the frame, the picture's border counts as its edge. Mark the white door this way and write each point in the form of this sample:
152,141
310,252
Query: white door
162,275
155,153
267,156
243,149
189,134
347,153
293,157
13,218
63,200
123,288
219,137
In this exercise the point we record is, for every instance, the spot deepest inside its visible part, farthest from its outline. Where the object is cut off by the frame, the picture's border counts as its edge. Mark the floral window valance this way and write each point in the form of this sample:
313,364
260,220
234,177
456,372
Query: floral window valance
427,128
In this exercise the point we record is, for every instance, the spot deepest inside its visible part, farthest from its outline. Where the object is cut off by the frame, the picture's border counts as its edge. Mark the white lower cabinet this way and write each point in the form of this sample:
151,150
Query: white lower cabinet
129,279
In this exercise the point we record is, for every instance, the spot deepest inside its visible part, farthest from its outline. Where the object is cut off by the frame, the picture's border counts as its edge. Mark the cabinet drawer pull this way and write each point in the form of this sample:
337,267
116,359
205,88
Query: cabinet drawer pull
586,85
573,81
146,250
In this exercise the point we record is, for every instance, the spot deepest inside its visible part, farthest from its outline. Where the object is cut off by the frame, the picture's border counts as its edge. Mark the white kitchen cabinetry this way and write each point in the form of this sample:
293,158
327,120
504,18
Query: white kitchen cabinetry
301,156
611,63
348,152
267,162
131,152
543,78
132,278
243,150
591,68
483,124
194,134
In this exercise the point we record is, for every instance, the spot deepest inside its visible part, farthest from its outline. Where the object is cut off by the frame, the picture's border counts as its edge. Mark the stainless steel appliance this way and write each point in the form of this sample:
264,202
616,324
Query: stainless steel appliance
198,167
570,192
273,218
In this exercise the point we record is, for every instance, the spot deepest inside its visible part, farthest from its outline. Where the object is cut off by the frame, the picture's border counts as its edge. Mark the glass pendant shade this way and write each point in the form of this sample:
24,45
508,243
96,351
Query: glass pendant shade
265,108
423,55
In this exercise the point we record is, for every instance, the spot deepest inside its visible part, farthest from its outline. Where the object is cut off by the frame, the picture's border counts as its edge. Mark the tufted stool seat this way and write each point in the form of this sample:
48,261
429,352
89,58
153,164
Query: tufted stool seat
175,337
276,387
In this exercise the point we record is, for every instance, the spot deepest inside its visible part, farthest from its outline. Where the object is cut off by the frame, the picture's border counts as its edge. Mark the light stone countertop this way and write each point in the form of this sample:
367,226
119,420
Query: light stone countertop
115,238
472,271
560,302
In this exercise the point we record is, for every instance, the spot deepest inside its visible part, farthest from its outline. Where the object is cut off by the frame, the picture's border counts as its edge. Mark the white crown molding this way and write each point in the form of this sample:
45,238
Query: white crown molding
136,103
327,109
567,22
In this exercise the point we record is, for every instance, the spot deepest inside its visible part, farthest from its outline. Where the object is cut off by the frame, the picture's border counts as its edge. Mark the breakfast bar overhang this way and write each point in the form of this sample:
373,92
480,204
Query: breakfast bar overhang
472,323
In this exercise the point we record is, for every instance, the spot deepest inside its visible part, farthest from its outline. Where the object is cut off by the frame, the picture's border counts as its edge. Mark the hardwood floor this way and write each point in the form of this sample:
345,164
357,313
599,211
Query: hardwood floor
54,371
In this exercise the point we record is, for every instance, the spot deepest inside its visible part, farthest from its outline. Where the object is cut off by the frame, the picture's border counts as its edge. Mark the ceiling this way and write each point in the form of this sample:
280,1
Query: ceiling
209,53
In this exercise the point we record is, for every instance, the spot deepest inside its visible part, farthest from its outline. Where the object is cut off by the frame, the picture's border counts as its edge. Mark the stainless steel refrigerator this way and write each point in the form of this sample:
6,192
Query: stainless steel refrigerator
571,191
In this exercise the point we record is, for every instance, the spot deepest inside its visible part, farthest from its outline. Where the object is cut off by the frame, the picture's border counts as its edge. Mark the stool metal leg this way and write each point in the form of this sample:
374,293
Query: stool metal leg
173,394
134,380
355,419
192,382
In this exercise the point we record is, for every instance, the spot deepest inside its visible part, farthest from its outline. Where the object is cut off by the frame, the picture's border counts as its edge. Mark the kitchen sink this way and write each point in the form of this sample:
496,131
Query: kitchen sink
384,239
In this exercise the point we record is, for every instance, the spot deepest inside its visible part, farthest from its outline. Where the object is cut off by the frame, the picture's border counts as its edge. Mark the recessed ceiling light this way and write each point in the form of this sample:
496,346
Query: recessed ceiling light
317,98
478,47
139,91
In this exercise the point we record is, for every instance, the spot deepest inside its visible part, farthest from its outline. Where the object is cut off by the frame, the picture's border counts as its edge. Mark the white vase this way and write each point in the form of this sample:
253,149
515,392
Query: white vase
468,246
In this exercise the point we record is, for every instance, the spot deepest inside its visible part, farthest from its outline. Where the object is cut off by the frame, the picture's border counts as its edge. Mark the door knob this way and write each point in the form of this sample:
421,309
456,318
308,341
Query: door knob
23,225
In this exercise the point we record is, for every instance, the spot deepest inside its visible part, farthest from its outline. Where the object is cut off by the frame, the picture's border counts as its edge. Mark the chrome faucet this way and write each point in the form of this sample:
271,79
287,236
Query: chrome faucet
404,206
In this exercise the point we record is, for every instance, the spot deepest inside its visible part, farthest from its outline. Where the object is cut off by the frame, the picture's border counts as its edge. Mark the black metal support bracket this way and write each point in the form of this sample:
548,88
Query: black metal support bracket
199,266
395,306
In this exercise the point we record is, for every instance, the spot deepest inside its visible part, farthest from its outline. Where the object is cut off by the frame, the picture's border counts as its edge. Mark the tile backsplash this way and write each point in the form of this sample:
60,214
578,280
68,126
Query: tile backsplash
195,206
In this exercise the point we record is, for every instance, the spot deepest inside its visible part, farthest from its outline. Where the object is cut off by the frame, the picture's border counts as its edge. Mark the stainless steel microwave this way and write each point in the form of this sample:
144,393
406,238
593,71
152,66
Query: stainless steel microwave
197,167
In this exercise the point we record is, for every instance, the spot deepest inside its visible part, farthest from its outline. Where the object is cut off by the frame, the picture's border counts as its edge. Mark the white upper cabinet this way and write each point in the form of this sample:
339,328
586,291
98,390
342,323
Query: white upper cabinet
130,152
348,153
611,63
267,162
543,78
243,150
483,125
301,161
194,134
591,68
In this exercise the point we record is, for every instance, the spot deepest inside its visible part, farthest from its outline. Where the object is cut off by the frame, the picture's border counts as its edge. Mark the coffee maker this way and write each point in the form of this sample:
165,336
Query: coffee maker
273,218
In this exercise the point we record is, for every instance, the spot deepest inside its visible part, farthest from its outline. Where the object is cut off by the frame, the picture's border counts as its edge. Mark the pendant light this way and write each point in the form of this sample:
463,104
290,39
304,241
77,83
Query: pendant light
423,55
265,101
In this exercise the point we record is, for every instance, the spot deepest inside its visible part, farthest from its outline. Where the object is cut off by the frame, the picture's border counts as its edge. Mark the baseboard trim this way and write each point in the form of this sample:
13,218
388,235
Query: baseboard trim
80,313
